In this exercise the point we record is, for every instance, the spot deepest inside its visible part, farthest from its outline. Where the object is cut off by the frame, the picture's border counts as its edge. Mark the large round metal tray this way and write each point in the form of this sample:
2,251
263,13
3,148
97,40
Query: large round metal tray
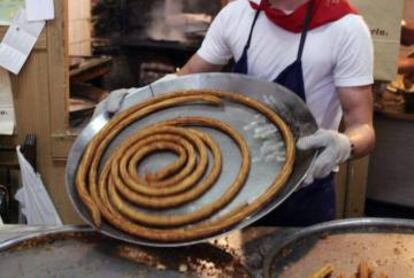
262,173
75,251
299,244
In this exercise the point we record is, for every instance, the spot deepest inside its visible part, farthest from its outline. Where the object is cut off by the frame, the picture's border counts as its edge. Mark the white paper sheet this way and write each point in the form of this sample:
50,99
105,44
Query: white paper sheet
33,197
7,115
19,42
40,10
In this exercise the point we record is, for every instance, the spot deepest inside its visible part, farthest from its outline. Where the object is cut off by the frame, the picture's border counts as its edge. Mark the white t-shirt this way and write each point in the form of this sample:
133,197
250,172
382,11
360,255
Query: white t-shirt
338,54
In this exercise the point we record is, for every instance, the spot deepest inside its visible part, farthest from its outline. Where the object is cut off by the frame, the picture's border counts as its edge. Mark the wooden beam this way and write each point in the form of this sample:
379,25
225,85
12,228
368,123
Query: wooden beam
59,71
341,189
357,178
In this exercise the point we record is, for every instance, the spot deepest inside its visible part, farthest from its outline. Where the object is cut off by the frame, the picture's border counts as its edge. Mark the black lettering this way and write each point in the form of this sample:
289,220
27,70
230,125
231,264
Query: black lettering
379,32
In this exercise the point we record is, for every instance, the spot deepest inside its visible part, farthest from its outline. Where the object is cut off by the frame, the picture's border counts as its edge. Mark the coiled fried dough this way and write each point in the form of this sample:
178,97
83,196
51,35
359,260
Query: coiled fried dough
115,192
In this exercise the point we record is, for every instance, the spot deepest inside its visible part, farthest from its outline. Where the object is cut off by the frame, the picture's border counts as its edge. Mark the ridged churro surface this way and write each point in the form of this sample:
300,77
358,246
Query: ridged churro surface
117,192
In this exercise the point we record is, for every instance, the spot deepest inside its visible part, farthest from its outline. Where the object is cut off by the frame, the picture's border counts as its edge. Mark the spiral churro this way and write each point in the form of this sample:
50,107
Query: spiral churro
116,192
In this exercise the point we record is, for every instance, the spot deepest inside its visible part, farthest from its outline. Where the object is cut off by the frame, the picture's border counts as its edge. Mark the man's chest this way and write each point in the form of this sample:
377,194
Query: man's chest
273,49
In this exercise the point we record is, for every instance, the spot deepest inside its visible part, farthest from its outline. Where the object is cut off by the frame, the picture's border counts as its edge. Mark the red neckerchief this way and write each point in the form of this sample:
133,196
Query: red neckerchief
324,13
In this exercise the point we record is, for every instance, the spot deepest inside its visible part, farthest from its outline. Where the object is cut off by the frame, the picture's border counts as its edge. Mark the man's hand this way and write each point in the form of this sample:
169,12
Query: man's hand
335,149
357,105
113,103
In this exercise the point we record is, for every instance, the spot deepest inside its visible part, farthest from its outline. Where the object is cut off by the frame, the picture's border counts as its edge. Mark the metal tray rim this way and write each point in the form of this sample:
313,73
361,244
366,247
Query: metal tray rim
51,231
335,225
100,120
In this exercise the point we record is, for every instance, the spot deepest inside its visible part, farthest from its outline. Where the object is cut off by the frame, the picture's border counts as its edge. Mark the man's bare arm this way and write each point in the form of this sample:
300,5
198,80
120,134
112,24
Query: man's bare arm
197,65
357,104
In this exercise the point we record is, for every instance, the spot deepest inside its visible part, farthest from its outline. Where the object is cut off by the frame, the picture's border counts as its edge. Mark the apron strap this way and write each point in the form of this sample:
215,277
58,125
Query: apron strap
256,16
308,20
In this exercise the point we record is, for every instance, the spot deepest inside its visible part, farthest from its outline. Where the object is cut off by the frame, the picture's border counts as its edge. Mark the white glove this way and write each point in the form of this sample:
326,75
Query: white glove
335,148
113,103
168,77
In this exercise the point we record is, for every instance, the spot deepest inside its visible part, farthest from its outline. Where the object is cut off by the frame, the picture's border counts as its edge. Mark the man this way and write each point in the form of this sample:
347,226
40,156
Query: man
322,51
337,71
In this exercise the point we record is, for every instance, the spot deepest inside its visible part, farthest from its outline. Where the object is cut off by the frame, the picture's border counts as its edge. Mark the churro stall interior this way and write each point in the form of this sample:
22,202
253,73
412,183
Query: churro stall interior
129,148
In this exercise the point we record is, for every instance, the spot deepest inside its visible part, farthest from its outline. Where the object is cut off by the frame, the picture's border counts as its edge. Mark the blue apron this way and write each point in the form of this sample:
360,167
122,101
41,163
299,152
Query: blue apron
317,202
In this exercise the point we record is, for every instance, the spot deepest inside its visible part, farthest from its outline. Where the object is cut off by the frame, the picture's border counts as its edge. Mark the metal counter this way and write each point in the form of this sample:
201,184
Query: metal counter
249,246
